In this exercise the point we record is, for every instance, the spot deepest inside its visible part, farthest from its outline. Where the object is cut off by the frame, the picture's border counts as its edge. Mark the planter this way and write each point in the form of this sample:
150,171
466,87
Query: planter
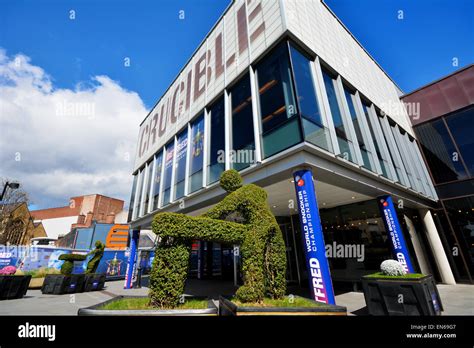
229,308
36,283
94,282
419,296
13,286
211,310
63,284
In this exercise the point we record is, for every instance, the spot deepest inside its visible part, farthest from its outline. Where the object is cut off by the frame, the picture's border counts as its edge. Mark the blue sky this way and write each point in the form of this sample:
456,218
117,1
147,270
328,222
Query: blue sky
414,51
83,59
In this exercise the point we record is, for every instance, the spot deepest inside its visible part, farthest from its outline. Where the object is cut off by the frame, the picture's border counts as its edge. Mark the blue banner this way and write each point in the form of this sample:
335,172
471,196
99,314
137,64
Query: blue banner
390,220
132,259
317,264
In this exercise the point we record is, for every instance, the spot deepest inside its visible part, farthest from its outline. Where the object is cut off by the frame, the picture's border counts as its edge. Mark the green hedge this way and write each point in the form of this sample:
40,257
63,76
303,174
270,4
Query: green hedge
68,265
97,253
262,246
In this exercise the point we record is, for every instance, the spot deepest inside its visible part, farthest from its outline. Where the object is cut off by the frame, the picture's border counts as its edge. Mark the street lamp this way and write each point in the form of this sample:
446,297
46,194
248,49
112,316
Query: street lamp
12,185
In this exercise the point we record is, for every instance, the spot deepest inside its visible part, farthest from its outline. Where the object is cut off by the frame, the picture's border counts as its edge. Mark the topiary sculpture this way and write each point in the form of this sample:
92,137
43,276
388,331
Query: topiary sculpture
92,265
260,238
97,253
392,268
68,265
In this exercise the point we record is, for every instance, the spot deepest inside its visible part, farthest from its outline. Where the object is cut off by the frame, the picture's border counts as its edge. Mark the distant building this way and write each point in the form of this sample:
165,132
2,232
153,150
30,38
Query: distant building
19,226
114,236
81,212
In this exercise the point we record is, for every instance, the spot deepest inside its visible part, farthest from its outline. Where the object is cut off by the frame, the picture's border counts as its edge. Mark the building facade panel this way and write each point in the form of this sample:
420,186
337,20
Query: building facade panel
337,47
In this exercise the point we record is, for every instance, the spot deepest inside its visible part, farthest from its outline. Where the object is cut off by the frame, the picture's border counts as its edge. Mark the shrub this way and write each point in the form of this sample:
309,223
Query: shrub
262,245
392,268
97,253
231,180
8,270
68,264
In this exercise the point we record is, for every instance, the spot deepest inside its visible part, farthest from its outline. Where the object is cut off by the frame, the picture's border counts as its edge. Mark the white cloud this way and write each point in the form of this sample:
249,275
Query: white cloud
68,141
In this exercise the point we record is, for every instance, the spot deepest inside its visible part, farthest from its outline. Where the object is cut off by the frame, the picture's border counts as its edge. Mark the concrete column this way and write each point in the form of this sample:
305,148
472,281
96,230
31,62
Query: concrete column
420,255
437,247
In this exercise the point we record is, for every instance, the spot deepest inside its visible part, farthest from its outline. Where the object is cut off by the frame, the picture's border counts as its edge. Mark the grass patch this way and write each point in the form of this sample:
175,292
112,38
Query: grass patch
144,303
406,276
282,302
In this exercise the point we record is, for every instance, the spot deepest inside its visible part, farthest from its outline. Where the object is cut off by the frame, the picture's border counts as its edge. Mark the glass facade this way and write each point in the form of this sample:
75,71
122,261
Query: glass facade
440,153
197,154
157,180
138,202
447,144
168,173
217,141
460,125
345,145
180,166
132,198
289,86
243,142
147,187
366,154
390,150
382,162
314,130
280,129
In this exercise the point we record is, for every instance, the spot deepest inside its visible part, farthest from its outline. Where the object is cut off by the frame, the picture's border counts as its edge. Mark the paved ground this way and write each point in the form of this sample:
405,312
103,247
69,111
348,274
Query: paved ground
457,299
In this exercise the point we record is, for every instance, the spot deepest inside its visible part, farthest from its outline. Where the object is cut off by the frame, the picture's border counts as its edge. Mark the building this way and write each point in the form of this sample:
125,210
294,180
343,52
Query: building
113,236
276,86
19,228
81,212
445,129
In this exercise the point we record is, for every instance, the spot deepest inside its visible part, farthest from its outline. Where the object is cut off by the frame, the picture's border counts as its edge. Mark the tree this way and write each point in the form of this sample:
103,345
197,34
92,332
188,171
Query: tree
11,200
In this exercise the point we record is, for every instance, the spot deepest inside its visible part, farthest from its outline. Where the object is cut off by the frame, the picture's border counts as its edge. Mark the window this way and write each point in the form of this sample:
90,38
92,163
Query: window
168,173
384,136
382,161
444,161
280,128
461,128
217,141
400,140
197,156
345,145
138,202
366,154
147,186
314,131
243,143
157,180
180,168
132,197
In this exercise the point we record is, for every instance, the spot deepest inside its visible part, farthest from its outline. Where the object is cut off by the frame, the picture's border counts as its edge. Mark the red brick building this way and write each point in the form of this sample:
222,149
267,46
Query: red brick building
80,212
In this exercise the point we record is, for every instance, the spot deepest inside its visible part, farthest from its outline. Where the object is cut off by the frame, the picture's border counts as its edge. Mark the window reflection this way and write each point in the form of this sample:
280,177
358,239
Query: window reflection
440,152
243,142
314,131
382,162
197,156
180,168
460,125
157,180
366,154
147,187
168,172
280,128
217,141
345,145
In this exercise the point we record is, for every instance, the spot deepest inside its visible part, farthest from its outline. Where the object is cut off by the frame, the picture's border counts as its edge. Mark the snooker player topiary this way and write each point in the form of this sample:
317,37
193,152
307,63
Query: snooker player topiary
260,238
